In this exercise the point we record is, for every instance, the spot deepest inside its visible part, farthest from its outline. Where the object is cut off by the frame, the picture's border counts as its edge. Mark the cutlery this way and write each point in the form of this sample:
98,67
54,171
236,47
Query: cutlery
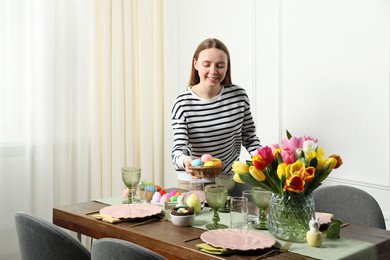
191,239
92,212
144,222
283,249
344,225
150,220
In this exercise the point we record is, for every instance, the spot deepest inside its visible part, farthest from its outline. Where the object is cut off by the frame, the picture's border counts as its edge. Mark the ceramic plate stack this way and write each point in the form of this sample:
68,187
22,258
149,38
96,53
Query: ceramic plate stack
131,211
238,239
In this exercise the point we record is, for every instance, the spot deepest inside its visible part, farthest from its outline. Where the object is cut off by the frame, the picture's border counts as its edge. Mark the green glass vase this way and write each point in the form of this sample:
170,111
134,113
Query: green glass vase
289,216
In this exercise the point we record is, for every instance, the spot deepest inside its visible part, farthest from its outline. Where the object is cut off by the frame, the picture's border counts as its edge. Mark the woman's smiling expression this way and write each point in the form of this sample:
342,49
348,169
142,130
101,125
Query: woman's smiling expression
211,65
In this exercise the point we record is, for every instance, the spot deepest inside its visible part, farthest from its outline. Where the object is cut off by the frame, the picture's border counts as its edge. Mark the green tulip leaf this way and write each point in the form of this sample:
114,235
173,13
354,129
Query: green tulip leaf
314,162
288,134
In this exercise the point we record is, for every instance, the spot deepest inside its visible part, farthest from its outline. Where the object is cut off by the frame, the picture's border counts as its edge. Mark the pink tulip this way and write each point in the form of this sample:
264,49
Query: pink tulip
266,153
288,156
293,143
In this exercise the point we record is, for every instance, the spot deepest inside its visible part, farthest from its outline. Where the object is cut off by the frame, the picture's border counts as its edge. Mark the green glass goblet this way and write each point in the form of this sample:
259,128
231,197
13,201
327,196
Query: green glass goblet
261,198
216,199
131,177
226,179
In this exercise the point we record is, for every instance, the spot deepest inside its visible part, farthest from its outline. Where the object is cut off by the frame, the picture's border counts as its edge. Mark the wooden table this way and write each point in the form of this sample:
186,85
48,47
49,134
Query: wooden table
168,240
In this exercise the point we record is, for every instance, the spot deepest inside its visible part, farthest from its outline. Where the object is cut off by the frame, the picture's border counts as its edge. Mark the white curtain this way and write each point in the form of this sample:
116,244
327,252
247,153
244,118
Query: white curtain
80,97
130,92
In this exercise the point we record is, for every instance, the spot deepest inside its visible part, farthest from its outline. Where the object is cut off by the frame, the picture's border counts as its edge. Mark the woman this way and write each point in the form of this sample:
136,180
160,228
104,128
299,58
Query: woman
212,116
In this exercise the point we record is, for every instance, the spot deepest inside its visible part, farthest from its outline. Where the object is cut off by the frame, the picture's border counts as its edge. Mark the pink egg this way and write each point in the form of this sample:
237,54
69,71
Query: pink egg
172,193
125,193
156,197
164,198
206,157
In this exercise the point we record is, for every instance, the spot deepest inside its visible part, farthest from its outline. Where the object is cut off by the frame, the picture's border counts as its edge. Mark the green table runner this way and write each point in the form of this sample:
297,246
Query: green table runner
342,248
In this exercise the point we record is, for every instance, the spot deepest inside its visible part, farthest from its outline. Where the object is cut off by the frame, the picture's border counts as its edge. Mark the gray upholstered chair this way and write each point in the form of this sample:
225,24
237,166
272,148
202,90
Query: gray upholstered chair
349,204
112,248
238,188
40,239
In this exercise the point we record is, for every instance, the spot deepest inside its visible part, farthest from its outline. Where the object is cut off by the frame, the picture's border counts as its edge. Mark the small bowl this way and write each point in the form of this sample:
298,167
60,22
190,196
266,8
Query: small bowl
183,221
207,172
183,216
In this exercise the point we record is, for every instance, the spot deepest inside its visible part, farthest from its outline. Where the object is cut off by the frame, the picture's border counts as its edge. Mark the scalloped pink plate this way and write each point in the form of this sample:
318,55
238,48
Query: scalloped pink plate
237,239
131,210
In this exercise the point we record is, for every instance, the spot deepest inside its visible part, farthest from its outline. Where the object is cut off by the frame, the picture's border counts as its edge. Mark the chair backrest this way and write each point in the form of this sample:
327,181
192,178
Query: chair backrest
112,248
239,188
349,204
40,239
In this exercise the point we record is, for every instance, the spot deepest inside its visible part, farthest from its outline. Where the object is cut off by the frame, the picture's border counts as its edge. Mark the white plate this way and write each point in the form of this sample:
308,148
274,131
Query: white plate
237,239
324,218
165,205
131,210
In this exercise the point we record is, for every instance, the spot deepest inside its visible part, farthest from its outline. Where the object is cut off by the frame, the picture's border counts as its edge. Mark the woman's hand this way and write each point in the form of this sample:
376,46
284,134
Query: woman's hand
187,162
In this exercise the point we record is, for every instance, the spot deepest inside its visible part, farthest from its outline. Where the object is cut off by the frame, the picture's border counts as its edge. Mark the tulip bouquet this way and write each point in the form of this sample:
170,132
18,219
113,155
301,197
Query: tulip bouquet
298,167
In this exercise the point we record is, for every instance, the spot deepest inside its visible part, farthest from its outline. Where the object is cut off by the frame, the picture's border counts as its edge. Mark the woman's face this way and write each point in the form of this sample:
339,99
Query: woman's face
211,65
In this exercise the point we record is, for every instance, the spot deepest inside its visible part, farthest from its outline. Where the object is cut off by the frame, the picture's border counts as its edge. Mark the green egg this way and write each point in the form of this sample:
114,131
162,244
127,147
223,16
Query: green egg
173,199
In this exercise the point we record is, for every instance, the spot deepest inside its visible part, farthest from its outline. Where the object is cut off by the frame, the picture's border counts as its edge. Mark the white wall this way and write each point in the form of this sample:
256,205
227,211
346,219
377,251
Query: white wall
317,68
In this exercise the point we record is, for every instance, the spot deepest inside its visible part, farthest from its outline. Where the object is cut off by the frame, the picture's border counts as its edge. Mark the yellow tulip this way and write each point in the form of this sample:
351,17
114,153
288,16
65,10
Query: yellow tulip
320,155
310,155
277,150
240,167
256,173
281,170
329,164
237,179
295,168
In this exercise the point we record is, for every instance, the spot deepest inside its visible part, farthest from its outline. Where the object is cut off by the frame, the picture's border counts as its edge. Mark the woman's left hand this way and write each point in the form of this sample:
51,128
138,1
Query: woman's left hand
187,163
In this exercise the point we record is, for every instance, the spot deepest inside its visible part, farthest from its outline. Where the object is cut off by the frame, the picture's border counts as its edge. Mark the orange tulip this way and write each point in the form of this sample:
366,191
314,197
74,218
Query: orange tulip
259,162
294,183
339,160
308,174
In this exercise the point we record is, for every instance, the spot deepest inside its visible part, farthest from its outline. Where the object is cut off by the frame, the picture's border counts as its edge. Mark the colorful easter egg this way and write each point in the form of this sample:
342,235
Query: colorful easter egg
125,193
150,188
196,162
164,198
206,157
156,197
217,162
193,201
172,193
209,163
173,198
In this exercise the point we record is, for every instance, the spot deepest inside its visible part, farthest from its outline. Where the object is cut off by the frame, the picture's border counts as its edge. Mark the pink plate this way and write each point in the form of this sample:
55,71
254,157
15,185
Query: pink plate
324,217
131,210
237,239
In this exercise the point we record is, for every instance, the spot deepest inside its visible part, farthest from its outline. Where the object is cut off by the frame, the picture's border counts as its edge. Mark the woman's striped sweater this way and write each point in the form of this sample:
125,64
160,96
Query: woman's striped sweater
218,126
